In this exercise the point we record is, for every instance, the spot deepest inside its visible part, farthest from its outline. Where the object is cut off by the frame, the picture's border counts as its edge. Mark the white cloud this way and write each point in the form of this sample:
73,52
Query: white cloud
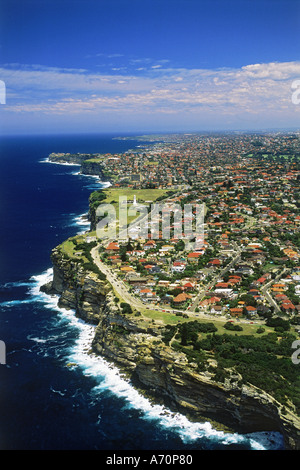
273,70
255,89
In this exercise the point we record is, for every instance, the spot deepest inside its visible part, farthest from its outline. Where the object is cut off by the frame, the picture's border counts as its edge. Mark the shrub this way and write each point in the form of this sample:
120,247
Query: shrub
232,327
260,330
278,322
90,266
126,308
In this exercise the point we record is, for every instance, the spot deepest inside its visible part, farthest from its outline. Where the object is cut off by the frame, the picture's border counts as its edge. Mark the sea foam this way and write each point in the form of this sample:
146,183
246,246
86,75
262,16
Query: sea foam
109,378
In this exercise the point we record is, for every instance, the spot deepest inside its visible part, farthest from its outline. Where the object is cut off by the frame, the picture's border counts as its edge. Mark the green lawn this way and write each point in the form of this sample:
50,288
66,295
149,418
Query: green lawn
96,159
171,319
69,248
143,196
165,317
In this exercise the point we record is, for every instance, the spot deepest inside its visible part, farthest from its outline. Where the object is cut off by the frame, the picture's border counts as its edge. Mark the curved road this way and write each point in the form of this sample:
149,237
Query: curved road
122,291
117,284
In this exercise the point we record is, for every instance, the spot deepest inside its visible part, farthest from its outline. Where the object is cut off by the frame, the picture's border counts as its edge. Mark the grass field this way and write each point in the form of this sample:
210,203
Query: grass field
143,196
168,318
68,247
99,159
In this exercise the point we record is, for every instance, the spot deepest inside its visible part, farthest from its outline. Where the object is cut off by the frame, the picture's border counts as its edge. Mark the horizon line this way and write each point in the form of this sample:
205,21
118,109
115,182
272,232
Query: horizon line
153,132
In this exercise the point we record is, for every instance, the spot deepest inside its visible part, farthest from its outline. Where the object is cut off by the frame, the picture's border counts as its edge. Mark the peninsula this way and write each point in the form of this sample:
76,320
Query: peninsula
211,330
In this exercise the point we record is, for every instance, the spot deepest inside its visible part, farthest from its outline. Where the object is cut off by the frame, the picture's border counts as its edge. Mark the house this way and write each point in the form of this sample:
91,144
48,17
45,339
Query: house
188,286
214,299
226,292
136,280
288,307
278,287
281,298
193,257
91,239
214,263
259,282
207,302
166,248
148,295
181,298
178,267
236,312
166,299
112,247
222,285
115,259
250,310
155,269
217,309
245,270
253,292
163,283
233,279
138,253
126,269
149,244
149,266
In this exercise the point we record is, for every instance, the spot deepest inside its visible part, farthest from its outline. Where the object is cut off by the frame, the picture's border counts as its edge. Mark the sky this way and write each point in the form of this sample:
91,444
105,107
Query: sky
74,66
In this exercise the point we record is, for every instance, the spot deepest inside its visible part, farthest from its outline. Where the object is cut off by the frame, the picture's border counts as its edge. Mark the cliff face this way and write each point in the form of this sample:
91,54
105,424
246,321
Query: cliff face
166,374
90,167
135,346
78,289
72,158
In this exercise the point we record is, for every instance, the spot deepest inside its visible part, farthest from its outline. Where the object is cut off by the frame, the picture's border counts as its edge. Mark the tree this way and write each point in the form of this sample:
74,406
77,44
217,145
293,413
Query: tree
277,322
249,300
184,335
126,308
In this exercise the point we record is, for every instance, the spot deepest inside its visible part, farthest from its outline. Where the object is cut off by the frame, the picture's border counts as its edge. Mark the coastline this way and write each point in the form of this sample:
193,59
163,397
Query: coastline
111,377
164,410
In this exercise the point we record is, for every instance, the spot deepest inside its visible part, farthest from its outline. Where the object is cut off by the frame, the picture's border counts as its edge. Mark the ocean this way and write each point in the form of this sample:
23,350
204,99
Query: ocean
44,403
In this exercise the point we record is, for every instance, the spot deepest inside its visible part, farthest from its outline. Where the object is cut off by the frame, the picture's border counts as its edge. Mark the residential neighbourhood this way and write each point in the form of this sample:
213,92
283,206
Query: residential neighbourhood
224,300
247,265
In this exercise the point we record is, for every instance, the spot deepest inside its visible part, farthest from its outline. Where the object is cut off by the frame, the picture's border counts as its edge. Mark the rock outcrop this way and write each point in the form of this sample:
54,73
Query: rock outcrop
71,158
90,164
79,289
134,344
167,374
92,167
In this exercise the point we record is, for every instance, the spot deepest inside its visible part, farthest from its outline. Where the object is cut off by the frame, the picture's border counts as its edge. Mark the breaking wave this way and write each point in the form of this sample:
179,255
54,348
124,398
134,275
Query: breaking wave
109,379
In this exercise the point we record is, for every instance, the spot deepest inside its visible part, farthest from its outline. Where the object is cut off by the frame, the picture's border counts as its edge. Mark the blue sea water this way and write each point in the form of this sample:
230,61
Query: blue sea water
44,403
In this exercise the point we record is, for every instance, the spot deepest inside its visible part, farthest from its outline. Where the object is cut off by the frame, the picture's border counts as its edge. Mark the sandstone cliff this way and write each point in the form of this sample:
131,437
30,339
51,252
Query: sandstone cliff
135,345
92,167
72,158
90,164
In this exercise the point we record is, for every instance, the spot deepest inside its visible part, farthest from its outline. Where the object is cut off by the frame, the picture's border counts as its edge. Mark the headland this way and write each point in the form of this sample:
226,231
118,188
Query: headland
209,330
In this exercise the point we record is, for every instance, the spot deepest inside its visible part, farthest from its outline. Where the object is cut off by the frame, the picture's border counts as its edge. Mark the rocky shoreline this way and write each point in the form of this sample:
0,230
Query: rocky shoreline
135,345
89,163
